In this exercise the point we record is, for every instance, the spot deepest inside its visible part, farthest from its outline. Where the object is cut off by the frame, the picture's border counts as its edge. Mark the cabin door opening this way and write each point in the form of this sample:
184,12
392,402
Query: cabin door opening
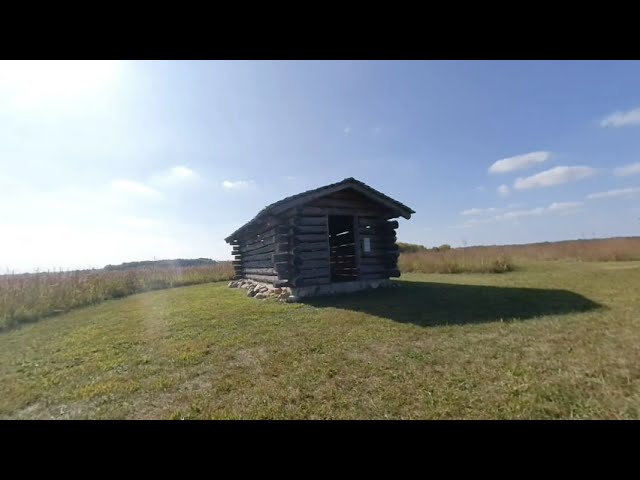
342,248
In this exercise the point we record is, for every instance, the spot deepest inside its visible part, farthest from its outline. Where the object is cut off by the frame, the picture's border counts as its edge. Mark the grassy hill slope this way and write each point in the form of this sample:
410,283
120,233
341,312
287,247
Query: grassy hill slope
555,340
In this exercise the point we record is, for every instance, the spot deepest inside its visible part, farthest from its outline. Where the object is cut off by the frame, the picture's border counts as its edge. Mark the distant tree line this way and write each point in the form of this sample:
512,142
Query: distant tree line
413,247
177,263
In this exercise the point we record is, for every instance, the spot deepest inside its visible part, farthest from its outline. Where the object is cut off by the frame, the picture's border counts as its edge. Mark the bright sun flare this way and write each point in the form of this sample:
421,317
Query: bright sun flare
31,83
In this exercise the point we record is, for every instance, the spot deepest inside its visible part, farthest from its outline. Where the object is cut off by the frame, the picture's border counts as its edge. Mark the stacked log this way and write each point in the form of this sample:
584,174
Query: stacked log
381,261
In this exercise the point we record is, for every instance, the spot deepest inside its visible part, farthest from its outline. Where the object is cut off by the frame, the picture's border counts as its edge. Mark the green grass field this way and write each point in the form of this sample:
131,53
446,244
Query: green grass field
549,340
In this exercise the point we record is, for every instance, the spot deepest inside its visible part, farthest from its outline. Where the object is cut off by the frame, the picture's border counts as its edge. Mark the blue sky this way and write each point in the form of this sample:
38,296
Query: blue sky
105,162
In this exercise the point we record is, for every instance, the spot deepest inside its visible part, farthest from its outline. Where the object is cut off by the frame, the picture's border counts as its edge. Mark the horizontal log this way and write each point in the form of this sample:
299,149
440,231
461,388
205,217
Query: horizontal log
313,273
303,264
259,256
374,268
378,260
309,221
262,278
259,271
257,264
391,234
281,257
265,249
308,247
262,241
262,229
309,237
377,230
377,222
304,229
281,283
311,211
300,257
355,203
380,253
282,266
356,212
304,282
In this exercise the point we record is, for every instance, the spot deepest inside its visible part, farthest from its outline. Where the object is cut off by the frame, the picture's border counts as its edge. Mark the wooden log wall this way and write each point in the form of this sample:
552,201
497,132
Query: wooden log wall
294,249
309,245
381,261
254,252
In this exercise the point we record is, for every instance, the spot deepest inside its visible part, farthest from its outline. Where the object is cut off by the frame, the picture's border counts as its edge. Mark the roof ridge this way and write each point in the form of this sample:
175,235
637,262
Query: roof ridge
273,205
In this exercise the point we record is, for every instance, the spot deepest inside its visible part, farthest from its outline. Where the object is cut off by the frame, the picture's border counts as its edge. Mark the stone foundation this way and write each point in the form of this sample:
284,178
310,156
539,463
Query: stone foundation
286,294
261,290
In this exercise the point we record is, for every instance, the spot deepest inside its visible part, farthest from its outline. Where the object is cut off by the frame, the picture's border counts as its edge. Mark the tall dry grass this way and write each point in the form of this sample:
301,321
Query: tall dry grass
467,260
27,297
498,259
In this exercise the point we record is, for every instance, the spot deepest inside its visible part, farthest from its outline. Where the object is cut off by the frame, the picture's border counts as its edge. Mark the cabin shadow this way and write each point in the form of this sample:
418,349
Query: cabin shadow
432,304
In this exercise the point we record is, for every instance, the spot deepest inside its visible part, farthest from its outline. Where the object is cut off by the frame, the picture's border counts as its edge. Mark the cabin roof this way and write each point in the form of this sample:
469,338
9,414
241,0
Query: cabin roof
301,198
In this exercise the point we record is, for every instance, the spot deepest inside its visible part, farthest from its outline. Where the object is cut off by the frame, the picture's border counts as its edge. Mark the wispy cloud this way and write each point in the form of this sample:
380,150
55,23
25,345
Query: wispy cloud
174,176
564,207
622,119
554,176
556,208
484,211
519,162
237,185
480,188
477,211
621,192
136,188
503,190
347,130
631,169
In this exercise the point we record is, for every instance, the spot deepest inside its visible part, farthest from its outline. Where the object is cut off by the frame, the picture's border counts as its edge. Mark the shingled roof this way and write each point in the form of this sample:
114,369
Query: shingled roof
294,200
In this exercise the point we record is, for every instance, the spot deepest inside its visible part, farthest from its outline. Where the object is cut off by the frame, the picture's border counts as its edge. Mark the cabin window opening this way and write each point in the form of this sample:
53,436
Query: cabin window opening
342,248
366,244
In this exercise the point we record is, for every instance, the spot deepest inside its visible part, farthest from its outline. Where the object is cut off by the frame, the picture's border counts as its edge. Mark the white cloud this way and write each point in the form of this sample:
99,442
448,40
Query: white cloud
622,119
564,207
631,169
554,176
561,208
503,190
477,211
237,185
174,176
483,211
622,192
519,162
347,130
136,188
520,213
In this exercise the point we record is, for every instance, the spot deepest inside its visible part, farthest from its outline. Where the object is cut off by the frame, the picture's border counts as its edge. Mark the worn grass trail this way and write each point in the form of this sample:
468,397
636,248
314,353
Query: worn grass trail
554,340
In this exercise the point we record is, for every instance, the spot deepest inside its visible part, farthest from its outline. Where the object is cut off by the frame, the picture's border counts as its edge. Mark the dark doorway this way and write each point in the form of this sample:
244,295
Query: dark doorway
342,248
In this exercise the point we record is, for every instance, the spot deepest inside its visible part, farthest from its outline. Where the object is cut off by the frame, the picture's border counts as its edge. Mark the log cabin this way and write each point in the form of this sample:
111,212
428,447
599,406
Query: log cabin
336,238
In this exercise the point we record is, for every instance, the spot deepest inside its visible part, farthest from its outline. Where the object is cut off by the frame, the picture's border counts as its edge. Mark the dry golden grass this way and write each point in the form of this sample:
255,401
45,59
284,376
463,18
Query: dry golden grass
553,340
27,297
498,259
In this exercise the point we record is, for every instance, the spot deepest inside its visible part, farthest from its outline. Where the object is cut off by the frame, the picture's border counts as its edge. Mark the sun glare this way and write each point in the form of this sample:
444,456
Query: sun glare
30,83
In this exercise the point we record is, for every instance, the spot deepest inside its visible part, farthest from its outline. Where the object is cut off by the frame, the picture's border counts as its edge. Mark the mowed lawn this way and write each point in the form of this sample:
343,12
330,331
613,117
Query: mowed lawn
550,340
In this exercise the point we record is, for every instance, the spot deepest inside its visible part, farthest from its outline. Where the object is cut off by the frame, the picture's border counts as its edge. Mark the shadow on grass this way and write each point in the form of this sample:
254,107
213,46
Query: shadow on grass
431,304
